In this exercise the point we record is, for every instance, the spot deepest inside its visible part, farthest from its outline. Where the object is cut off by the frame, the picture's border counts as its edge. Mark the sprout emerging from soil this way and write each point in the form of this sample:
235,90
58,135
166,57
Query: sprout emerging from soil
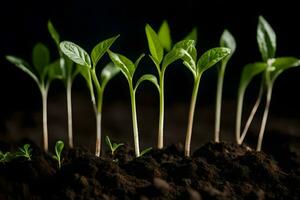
227,40
5,157
271,68
206,61
68,75
128,69
25,151
157,43
87,66
59,146
147,150
113,146
43,73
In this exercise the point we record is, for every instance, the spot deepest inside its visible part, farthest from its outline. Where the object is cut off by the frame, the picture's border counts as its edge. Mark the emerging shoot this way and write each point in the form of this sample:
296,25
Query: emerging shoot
25,152
59,146
113,146
227,40
87,67
5,157
147,150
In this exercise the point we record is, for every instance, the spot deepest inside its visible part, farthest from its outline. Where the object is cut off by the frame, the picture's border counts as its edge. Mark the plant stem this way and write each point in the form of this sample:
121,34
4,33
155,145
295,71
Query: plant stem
253,111
69,110
219,101
44,92
265,117
191,116
134,120
98,132
238,118
160,140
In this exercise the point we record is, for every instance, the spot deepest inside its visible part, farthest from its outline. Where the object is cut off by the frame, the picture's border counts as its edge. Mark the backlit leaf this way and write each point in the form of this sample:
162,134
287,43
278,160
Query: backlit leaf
155,47
164,36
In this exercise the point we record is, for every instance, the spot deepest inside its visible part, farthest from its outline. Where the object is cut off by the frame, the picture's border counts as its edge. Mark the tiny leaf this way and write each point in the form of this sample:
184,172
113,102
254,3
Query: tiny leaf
193,35
107,141
40,58
100,49
54,70
147,77
227,40
266,39
155,47
108,72
283,63
164,36
126,66
211,57
145,151
75,53
58,148
54,34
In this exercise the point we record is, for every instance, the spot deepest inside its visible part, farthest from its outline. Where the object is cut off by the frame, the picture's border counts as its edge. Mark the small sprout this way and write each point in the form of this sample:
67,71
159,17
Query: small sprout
147,150
86,65
227,40
128,69
5,157
25,151
58,149
113,146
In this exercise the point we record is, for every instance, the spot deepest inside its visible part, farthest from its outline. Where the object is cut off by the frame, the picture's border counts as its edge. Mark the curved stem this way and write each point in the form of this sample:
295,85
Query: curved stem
134,120
191,116
265,117
238,118
160,140
69,110
253,111
44,92
219,102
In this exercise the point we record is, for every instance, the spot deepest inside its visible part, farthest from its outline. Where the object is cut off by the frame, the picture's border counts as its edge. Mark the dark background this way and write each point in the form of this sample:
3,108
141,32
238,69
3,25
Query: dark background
23,23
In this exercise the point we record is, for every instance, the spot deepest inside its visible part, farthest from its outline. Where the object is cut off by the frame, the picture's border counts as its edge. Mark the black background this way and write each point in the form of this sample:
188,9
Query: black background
23,23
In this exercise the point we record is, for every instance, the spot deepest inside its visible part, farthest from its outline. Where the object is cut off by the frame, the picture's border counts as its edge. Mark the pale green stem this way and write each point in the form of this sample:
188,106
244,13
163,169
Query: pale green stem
160,140
134,119
238,118
44,92
191,116
265,117
69,110
219,101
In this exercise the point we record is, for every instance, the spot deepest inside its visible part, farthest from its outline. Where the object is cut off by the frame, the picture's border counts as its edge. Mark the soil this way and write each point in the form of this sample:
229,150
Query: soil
214,171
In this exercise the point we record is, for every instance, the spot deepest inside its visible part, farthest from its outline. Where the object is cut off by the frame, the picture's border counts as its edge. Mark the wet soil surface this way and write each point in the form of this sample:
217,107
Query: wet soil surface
214,171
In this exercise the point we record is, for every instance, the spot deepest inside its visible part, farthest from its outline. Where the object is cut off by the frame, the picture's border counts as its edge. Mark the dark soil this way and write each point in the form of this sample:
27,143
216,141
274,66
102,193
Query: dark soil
215,171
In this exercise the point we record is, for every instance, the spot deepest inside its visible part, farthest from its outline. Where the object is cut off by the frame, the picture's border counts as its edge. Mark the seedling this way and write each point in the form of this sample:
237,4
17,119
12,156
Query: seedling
5,157
25,151
59,146
42,72
113,146
128,69
270,68
147,150
87,67
157,43
227,40
69,72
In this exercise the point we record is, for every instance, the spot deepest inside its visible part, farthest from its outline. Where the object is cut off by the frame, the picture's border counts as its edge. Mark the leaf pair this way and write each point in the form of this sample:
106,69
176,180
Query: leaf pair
113,146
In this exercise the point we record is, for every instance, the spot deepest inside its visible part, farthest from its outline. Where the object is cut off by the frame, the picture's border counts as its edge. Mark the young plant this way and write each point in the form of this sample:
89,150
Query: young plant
157,42
25,151
227,40
206,61
59,146
43,73
113,146
271,67
5,157
147,150
128,69
69,73
87,66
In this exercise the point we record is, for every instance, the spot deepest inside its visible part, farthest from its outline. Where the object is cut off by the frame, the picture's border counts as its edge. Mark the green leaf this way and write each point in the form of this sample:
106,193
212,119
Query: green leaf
283,63
266,39
58,148
227,40
137,62
54,34
23,65
107,141
193,35
40,58
155,47
164,36
249,71
145,151
86,73
116,146
172,56
75,53
108,72
211,57
147,77
126,66
55,71
100,49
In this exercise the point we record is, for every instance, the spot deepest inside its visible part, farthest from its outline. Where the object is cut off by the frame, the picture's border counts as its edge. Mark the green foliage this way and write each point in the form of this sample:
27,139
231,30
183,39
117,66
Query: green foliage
5,157
227,40
164,36
155,46
113,146
59,146
25,151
